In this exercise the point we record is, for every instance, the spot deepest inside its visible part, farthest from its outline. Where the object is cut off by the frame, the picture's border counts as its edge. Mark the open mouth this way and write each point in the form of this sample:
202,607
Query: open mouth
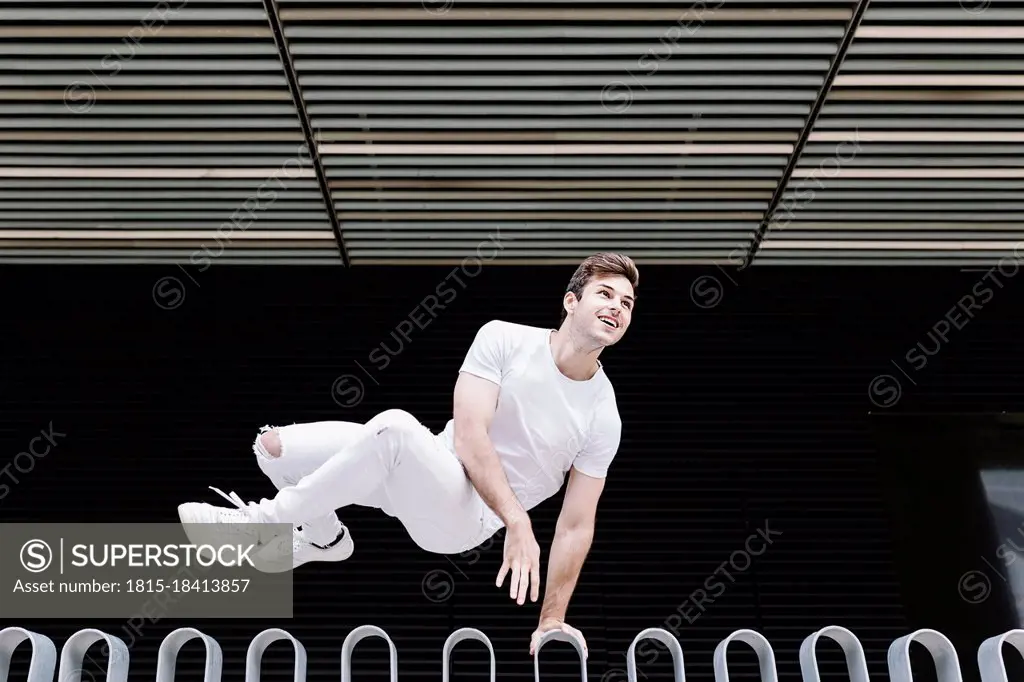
608,321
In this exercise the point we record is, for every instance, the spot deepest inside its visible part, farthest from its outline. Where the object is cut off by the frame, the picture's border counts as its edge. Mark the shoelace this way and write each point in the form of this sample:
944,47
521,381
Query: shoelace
263,532
233,498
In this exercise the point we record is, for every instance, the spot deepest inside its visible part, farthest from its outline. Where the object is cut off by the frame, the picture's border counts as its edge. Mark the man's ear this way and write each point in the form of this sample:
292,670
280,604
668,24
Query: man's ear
569,302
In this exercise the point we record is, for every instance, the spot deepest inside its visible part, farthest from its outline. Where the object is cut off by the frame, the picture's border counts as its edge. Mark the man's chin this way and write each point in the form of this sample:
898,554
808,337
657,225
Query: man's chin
602,336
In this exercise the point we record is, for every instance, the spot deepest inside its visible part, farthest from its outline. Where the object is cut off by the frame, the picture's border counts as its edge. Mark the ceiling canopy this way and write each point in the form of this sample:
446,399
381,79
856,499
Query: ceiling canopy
346,133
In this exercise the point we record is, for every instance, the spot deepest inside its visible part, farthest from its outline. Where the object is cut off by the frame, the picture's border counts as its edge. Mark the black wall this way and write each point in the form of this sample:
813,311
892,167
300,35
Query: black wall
749,401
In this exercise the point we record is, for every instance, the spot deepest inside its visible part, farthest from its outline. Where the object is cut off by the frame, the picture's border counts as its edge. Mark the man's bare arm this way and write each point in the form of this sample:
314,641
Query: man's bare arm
574,533
476,400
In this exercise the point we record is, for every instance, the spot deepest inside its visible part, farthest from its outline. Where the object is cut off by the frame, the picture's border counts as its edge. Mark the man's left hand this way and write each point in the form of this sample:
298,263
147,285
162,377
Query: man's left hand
549,624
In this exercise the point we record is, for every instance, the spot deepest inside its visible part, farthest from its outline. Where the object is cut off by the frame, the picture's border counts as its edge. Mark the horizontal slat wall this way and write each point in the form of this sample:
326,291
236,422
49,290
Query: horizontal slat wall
750,413
573,127
918,154
142,132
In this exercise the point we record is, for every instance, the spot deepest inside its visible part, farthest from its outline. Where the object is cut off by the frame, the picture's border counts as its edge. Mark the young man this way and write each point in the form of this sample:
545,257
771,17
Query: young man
530,405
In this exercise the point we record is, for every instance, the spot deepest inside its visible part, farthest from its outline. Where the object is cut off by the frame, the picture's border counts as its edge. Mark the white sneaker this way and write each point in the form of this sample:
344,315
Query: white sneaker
272,555
207,524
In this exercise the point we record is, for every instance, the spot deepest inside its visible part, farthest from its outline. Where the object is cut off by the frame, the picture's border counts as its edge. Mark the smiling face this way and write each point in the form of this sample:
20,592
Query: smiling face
604,309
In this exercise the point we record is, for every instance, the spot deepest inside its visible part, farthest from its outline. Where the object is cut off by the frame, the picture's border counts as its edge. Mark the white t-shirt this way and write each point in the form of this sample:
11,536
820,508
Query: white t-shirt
545,422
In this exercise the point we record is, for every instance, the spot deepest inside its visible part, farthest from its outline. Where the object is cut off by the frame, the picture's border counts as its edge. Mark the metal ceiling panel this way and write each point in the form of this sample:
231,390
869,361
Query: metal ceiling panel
916,157
134,131
408,131
566,128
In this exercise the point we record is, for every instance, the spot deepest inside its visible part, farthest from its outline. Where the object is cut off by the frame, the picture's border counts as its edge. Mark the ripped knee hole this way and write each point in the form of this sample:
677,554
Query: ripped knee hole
271,442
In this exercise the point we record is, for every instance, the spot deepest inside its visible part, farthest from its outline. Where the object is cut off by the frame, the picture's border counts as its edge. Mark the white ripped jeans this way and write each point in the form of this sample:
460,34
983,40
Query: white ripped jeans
391,462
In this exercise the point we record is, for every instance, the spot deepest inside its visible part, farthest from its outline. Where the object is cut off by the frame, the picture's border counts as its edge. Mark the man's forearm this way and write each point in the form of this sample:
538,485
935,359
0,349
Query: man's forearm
565,560
483,466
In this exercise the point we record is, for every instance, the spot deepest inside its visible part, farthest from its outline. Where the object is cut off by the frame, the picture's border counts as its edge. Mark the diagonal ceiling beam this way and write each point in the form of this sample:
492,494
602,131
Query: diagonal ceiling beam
805,133
307,127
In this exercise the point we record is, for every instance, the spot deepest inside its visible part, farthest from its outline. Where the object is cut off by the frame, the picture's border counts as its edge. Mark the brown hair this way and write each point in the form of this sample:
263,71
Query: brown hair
598,265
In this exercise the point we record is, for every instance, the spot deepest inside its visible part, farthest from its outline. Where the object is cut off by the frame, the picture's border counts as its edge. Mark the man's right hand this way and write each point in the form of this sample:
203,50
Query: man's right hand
522,558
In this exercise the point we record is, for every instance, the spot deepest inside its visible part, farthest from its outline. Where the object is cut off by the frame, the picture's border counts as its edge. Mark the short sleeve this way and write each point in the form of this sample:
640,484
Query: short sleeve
488,353
596,457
